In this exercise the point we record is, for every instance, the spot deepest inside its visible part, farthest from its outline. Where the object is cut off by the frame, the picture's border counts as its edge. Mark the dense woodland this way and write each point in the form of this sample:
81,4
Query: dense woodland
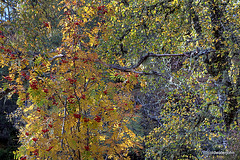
119,79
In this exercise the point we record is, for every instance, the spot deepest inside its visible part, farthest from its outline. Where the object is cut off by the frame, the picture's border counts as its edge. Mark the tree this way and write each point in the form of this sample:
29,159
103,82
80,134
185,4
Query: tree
70,109
201,85
195,102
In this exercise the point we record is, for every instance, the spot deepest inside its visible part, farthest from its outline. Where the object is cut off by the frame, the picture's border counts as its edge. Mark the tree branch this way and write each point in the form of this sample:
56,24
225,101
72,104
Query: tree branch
196,53
55,57
6,91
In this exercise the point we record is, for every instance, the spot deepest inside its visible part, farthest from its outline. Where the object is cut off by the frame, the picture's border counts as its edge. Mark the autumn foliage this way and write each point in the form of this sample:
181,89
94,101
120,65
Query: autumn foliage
113,79
70,109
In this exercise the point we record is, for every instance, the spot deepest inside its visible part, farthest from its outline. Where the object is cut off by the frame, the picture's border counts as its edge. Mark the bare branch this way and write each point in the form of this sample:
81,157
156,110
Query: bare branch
6,91
55,57
142,59
196,53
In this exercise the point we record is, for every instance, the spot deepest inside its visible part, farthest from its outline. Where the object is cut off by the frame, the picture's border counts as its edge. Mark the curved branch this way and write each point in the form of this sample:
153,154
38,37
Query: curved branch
196,53
55,57
142,59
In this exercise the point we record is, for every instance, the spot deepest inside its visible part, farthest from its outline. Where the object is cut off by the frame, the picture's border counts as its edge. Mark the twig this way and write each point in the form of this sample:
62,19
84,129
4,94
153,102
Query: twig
63,124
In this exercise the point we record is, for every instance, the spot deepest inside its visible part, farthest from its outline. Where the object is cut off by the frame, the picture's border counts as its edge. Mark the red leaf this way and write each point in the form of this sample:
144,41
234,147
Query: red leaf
8,78
33,85
34,139
97,119
75,58
55,103
83,96
64,61
71,96
72,80
23,73
13,56
45,90
49,148
85,119
87,148
45,130
46,24
8,50
105,92
35,152
77,115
